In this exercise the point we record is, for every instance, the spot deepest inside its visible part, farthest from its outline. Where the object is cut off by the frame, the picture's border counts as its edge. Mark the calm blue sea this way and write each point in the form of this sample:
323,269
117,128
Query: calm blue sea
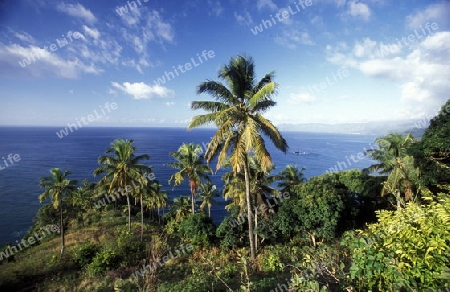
40,149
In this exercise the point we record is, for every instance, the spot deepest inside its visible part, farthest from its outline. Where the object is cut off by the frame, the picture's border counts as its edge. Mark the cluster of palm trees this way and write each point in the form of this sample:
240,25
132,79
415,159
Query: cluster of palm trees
238,144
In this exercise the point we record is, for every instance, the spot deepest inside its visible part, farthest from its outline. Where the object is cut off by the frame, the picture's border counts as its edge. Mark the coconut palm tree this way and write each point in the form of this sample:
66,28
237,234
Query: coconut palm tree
190,164
394,161
122,170
156,198
207,192
290,177
180,208
390,148
56,187
237,113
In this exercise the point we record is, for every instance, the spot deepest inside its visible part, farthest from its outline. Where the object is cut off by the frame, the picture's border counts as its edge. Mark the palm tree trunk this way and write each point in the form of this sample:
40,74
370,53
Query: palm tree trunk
249,211
129,212
142,219
256,235
61,228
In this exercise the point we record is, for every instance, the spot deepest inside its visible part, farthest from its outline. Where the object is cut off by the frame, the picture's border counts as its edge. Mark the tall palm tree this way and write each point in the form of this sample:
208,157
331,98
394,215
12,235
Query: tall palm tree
56,187
121,169
237,113
144,191
191,165
290,177
207,192
260,186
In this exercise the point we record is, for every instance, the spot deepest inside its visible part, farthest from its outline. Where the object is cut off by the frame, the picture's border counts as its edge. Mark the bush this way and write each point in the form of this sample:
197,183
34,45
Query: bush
85,253
105,260
198,229
406,249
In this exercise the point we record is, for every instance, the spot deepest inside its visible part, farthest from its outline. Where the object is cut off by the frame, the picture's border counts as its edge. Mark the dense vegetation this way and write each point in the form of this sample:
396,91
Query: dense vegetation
386,228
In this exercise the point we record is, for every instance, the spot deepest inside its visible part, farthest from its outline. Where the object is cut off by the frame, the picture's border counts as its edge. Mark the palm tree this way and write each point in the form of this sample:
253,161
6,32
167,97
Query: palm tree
394,161
56,187
180,208
191,166
390,148
121,169
207,192
145,190
290,177
156,198
260,186
237,113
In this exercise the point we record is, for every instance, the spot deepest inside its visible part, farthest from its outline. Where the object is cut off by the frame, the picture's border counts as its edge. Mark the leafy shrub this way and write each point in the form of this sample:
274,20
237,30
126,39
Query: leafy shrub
406,249
105,260
85,253
233,231
129,247
198,229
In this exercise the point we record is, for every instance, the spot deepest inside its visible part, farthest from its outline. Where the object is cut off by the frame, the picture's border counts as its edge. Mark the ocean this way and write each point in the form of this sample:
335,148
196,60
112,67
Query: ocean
35,150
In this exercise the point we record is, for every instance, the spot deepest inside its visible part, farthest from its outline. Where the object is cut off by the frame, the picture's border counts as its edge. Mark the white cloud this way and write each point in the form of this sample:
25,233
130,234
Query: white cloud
170,103
244,19
24,37
216,7
261,4
438,12
297,98
292,37
92,32
77,10
16,60
359,10
421,73
141,90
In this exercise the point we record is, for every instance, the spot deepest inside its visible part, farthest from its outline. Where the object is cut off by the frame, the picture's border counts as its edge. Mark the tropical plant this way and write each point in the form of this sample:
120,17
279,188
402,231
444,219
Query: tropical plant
191,166
157,198
56,187
207,192
290,177
121,169
432,152
403,177
181,208
406,249
237,113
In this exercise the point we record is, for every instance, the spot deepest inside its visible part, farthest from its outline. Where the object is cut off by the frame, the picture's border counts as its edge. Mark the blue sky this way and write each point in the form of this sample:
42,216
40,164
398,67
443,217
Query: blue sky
336,61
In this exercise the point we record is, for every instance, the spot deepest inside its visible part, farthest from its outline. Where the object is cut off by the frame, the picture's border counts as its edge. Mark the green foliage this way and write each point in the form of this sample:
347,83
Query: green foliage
105,260
313,210
198,229
432,152
232,231
406,249
129,248
85,253
271,260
